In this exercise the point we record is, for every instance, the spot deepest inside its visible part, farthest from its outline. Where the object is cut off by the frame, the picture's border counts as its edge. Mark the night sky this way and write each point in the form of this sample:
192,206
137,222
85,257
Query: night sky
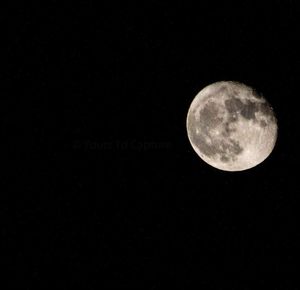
101,187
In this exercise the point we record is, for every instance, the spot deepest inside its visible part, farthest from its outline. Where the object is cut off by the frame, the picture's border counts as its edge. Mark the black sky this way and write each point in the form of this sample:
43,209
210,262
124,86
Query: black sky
102,188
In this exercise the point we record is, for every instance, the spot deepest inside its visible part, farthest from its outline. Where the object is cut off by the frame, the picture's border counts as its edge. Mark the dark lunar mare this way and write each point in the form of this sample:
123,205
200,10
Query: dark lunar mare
267,110
247,110
233,105
208,119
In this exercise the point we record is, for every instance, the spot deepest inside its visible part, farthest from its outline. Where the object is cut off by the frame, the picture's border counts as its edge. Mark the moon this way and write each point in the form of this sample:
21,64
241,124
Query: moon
231,127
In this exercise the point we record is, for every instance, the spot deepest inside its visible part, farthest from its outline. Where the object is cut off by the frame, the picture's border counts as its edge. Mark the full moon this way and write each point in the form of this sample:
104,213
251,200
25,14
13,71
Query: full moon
231,127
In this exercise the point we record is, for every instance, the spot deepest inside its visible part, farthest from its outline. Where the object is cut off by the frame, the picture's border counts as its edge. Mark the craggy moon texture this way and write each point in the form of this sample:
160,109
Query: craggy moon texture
231,127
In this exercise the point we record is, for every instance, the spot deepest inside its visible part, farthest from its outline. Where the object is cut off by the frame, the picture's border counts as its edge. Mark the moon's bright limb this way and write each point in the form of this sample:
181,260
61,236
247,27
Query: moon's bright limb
231,127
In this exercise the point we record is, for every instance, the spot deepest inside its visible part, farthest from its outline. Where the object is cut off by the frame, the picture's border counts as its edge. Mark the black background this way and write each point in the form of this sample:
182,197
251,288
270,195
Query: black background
102,188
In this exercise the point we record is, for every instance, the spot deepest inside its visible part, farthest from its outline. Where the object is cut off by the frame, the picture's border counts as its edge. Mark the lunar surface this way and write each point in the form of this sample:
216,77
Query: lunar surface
231,127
